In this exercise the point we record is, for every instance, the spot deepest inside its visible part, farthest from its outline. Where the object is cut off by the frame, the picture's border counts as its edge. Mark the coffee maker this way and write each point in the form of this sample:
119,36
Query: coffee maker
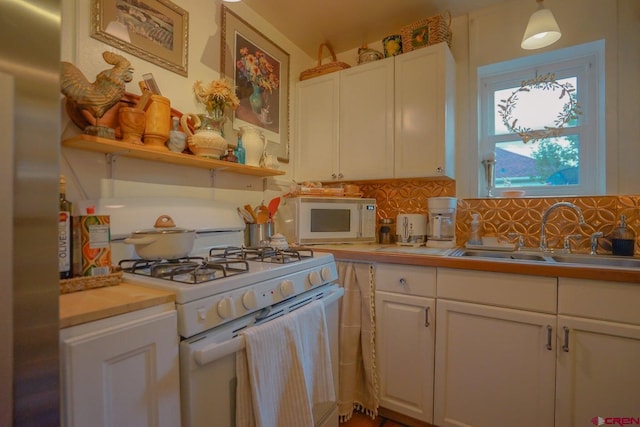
442,222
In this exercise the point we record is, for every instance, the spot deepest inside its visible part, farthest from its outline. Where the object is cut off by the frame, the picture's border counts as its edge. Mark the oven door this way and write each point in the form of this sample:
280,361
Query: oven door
208,372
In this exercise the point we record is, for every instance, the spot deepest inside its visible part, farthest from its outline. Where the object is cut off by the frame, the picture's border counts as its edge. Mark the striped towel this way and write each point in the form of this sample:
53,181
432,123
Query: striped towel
285,370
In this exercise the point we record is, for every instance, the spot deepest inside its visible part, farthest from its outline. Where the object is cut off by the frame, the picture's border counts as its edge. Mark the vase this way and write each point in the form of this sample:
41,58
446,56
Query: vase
207,140
254,143
255,99
157,123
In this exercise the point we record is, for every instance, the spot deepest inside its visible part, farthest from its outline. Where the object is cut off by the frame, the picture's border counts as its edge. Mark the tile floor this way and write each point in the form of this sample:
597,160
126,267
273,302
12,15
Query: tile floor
360,420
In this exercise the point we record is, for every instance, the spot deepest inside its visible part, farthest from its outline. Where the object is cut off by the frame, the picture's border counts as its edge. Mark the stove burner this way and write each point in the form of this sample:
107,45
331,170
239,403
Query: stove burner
262,254
190,270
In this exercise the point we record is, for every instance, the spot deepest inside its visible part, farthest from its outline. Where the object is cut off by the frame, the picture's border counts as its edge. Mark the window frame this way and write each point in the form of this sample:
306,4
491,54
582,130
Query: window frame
584,61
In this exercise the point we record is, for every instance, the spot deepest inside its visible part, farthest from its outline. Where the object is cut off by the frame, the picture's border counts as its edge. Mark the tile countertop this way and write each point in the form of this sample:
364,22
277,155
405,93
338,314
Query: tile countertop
438,258
94,304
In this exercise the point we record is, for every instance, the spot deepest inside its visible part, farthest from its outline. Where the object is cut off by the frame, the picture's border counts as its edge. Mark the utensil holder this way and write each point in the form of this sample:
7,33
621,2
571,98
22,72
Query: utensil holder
256,235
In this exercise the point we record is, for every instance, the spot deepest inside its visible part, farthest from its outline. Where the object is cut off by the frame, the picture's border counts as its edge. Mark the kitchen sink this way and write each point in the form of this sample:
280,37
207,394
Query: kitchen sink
506,255
598,260
551,258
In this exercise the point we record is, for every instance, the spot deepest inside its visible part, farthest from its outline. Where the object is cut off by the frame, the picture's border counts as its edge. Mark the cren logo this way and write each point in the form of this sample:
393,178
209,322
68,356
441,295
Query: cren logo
620,421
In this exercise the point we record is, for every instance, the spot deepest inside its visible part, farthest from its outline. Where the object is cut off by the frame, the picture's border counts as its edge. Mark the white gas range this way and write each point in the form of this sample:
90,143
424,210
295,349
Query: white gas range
221,289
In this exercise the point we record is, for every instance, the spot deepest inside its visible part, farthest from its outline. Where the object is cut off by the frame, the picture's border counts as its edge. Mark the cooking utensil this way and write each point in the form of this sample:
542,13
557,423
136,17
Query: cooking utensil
164,241
273,206
263,215
250,211
248,218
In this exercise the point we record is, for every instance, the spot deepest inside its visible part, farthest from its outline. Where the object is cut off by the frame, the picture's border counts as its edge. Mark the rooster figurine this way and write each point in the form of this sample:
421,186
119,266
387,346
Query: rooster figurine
100,96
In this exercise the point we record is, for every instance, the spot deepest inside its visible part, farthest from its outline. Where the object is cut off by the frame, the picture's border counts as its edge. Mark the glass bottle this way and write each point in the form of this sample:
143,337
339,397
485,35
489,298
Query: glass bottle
240,151
623,239
65,236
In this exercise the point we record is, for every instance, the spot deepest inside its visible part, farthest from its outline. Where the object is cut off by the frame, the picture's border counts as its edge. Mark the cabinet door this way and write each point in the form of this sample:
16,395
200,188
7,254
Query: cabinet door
366,121
405,353
494,366
317,128
425,113
597,372
123,375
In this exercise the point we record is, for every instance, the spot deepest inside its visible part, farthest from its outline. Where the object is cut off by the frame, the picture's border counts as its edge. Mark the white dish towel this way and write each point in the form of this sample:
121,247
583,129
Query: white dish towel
285,370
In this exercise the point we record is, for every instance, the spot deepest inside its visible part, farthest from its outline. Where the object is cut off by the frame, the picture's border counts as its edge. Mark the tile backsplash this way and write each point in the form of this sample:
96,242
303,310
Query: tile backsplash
504,216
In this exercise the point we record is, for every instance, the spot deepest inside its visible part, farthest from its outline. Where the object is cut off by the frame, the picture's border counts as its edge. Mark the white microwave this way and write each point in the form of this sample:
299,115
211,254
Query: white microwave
322,220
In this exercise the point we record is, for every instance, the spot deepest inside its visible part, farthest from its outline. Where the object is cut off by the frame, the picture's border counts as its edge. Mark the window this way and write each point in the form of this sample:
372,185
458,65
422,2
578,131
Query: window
570,162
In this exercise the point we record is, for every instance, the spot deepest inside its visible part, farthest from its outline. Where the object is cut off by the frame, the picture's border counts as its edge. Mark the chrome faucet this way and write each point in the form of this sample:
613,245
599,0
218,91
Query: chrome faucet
545,215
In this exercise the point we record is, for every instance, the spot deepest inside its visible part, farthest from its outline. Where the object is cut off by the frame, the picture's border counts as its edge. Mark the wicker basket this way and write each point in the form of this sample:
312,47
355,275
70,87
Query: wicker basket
332,66
90,282
426,32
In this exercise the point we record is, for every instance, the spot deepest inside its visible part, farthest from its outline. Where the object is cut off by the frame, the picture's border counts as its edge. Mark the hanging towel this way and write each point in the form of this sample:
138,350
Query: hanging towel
285,370
358,381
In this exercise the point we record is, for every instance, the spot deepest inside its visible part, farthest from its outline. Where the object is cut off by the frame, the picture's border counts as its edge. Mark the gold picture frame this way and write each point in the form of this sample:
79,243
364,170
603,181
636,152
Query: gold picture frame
263,90
154,30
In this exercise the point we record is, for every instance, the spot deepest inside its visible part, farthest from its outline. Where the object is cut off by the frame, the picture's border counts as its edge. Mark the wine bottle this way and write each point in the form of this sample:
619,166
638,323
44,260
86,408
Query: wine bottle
65,234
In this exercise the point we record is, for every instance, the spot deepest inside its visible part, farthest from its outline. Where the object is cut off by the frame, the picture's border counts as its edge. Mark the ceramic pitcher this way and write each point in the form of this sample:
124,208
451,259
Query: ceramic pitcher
205,141
254,143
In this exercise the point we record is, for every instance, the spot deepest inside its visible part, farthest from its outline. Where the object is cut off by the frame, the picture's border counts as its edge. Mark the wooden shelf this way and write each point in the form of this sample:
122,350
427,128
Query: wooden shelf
111,146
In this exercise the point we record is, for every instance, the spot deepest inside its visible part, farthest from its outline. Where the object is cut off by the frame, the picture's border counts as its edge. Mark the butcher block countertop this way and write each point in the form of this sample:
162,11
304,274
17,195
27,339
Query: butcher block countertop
373,253
94,304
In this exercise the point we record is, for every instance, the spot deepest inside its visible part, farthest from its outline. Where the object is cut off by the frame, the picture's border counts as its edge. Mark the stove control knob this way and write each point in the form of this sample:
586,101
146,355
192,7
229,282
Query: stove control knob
287,288
226,308
315,279
326,273
250,300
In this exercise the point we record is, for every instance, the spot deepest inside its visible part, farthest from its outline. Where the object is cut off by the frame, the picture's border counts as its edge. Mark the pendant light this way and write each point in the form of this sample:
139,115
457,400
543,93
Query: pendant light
542,29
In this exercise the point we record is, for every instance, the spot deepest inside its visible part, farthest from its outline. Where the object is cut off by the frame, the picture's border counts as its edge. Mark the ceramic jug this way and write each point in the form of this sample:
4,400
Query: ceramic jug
254,143
206,141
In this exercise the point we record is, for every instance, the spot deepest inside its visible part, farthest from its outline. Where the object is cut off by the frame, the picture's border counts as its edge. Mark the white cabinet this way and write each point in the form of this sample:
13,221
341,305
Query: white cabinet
388,118
425,113
317,128
405,338
495,349
599,336
366,121
122,371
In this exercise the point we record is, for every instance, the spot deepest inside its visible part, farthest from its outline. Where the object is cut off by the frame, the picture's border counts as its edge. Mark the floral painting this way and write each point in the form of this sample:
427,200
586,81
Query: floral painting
260,72
257,76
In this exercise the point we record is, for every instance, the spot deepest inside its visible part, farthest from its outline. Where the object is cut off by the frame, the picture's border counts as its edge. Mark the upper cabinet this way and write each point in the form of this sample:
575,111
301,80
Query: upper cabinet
425,113
384,119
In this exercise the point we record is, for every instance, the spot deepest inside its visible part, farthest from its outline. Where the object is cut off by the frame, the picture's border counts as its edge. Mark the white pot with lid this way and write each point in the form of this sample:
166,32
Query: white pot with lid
164,241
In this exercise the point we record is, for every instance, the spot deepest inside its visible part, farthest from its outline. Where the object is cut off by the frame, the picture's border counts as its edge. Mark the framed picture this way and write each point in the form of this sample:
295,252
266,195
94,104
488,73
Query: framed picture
259,70
154,30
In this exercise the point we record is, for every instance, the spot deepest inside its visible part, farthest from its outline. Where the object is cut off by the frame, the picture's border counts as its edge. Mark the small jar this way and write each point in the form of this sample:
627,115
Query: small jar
385,234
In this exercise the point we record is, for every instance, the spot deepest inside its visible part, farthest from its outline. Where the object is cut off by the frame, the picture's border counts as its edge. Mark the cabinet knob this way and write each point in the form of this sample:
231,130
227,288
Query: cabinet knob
403,281
334,176
340,176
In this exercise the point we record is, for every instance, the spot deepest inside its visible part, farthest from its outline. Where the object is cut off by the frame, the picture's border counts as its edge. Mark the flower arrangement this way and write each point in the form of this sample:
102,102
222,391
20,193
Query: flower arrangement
257,70
217,95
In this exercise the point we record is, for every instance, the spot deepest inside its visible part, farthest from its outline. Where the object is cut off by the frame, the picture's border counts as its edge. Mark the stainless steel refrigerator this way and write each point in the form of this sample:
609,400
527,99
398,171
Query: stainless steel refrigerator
29,169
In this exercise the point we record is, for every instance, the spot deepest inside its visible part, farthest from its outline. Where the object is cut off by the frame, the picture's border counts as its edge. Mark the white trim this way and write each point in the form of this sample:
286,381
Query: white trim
585,61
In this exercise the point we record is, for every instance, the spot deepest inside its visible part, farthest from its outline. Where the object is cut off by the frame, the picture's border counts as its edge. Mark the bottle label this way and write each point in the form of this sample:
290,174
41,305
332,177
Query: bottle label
64,242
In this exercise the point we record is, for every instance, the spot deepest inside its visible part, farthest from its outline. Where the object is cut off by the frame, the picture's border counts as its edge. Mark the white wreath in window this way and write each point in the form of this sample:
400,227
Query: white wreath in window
570,110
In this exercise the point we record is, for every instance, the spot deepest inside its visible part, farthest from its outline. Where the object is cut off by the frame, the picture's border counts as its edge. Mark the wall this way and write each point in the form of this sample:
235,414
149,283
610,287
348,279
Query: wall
85,169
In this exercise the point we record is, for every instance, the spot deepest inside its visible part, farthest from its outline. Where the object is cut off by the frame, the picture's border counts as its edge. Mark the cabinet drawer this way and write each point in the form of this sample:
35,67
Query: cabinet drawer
507,290
406,279
613,301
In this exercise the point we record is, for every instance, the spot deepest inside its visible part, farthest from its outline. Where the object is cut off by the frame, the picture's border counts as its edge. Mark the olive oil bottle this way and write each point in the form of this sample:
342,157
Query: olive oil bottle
65,234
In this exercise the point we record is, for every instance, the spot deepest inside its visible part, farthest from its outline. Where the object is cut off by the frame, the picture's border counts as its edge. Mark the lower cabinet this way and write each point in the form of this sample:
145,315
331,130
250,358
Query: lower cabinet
494,366
122,371
598,370
495,349
405,337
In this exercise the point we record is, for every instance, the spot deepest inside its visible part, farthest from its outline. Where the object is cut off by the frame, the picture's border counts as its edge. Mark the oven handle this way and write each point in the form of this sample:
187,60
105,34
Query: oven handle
217,351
